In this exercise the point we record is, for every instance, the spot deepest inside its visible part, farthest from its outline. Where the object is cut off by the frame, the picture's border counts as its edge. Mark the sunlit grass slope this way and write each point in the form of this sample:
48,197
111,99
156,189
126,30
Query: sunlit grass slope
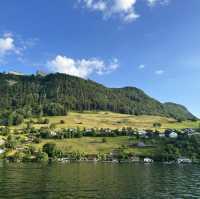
114,121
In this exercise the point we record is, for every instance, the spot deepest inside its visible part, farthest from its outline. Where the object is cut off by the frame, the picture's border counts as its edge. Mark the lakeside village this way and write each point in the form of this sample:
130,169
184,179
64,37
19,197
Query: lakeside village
148,146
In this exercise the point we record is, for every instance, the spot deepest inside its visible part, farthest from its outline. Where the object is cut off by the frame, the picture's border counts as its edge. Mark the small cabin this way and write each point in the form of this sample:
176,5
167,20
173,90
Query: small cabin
161,135
141,145
148,160
92,157
184,160
173,135
2,151
135,159
63,159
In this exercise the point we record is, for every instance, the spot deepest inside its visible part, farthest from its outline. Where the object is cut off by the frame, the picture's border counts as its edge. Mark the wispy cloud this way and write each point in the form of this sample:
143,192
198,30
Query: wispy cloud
124,9
7,45
15,45
156,2
83,67
159,72
141,66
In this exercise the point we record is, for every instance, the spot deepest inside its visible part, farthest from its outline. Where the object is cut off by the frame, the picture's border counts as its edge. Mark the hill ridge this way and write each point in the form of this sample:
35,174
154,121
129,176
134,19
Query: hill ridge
55,94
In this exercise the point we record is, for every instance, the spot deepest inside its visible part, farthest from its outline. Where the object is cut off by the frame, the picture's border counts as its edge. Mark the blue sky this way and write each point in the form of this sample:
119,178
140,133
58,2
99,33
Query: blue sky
150,44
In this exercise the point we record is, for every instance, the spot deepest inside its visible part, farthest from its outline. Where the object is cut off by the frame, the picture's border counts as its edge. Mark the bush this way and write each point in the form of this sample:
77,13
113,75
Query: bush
41,156
50,149
37,140
54,109
45,133
157,125
62,122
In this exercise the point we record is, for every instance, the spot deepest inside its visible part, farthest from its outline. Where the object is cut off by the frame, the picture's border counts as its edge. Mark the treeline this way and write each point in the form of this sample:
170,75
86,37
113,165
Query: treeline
56,94
16,117
184,146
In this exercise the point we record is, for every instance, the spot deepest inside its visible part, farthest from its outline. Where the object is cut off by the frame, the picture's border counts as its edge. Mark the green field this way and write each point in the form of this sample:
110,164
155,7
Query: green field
89,145
114,121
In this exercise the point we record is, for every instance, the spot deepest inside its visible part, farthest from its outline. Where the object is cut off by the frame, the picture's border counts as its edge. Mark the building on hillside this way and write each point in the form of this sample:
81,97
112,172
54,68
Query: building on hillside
63,159
188,131
141,145
161,135
171,134
184,160
2,151
134,159
148,160
92,157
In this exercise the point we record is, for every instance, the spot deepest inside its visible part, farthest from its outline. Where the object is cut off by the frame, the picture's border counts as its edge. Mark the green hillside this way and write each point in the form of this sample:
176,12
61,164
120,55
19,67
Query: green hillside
56,94
88,119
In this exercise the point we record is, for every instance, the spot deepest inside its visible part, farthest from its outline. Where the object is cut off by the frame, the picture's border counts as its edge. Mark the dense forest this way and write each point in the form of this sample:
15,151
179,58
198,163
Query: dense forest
24,96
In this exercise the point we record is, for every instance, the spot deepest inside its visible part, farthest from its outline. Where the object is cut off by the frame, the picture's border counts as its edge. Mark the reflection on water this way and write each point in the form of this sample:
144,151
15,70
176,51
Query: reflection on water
102,180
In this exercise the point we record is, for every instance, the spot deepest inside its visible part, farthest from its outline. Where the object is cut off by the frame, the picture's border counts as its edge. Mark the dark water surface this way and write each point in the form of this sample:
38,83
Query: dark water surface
101,181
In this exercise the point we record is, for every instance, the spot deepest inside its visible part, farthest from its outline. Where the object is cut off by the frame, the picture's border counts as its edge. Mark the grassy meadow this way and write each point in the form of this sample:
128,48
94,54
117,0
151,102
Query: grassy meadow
90,145
114,121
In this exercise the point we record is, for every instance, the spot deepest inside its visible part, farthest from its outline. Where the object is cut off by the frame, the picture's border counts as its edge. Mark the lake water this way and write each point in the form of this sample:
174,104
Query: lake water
99,181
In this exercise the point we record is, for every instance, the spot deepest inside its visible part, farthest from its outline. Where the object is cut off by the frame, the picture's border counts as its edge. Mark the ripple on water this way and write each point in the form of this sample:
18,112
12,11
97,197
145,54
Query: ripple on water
99,181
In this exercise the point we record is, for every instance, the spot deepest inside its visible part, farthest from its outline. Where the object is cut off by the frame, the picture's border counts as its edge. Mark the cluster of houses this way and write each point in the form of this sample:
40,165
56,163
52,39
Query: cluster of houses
169,133
74,132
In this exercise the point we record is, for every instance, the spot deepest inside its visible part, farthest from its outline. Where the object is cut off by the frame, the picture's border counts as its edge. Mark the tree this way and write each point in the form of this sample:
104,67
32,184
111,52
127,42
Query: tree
157,125
46,121
52,126
41,156
62,121
104,140
50,149
18,119
11,142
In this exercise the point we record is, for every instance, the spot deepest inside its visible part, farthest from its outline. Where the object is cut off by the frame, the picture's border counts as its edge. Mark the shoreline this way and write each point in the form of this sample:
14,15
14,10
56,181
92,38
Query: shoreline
103,161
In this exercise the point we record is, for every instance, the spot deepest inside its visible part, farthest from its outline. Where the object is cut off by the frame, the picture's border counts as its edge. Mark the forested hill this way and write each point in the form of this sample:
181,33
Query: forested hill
55,94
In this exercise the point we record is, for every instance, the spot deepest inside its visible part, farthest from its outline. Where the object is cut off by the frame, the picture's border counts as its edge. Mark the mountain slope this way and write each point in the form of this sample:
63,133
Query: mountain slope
178,111
55,93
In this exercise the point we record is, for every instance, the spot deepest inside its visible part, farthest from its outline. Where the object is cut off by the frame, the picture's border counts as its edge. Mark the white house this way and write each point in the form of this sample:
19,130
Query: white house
2,151
173,135
148,160
135,159
53,133
161,135
184,160
142,132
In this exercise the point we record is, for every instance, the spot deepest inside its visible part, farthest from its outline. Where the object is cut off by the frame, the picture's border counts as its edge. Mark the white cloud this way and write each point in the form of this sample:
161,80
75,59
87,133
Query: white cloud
155,2
95,5
6,45
14,45
159,72
152,2
81,68
142,66
123,5
125,9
